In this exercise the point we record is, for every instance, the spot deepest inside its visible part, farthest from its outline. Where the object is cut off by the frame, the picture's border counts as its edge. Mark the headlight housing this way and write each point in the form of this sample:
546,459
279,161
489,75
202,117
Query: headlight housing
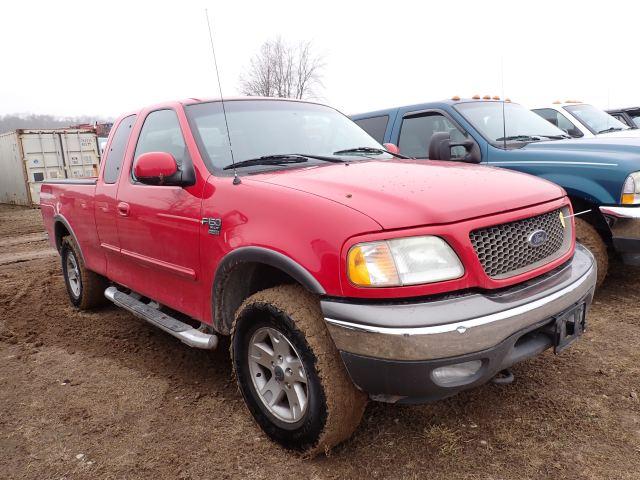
402,261
631,190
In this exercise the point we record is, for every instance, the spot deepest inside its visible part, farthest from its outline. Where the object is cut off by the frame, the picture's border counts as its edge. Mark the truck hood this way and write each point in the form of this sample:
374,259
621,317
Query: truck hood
630,133
406,193
620,155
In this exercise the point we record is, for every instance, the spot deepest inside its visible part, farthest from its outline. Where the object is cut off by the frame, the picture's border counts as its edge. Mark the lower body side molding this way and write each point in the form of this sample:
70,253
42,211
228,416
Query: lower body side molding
182,331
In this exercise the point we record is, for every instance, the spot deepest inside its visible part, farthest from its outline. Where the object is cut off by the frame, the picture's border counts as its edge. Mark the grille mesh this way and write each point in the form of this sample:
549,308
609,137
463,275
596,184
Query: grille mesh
504,250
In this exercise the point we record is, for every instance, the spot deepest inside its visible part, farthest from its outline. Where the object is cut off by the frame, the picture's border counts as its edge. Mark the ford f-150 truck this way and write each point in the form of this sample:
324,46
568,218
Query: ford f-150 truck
340,271
600,175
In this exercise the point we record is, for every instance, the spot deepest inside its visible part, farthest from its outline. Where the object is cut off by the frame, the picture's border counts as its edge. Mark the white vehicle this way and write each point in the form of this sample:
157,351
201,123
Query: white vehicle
581,120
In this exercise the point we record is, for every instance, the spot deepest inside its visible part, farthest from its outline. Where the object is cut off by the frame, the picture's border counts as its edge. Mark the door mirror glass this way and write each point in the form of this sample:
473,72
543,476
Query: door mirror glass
441,146
155,168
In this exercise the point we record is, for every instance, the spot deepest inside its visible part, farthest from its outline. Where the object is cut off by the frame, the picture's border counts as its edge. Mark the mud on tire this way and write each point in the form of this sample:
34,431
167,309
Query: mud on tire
334,406
587,235
85,288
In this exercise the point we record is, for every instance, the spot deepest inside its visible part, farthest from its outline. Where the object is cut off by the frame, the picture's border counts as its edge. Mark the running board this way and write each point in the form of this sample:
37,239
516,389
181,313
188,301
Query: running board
182,331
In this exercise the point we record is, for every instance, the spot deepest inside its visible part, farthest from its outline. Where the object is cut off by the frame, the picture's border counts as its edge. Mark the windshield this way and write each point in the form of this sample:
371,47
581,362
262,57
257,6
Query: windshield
596,120
261,128
521,123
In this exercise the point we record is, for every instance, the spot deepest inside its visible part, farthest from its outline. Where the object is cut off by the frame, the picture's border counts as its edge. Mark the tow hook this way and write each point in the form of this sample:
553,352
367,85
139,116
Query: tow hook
503,377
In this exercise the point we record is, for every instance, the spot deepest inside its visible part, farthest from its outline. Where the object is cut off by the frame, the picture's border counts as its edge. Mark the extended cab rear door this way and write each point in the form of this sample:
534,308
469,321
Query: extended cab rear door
159,225
105,200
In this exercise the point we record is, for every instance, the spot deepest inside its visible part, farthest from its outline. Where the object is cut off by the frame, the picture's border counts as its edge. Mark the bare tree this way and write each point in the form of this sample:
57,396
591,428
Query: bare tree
282,70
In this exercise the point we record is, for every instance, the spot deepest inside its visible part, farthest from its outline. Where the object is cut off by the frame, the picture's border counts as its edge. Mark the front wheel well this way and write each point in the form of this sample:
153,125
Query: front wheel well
593,217
239,283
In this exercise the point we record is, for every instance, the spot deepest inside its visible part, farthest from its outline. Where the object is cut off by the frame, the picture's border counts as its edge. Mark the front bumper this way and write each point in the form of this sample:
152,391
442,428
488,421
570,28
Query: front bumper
391,349
624,223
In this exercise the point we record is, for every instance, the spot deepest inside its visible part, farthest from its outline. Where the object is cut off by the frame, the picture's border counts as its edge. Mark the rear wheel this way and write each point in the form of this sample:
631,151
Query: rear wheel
587,235
290,373
85,288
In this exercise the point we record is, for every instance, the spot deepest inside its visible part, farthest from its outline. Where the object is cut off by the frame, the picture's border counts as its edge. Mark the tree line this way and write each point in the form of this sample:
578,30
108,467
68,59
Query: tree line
36,121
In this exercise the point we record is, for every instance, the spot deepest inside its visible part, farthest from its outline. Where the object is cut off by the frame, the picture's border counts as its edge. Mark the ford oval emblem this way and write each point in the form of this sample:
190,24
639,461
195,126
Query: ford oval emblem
537,238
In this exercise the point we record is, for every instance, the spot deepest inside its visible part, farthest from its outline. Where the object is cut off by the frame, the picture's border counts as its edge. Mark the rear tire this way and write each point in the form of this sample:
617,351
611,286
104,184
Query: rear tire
588,236
333,407
85,288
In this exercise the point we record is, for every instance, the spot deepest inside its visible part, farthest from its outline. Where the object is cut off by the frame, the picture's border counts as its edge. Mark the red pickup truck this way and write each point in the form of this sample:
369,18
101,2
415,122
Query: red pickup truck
341,270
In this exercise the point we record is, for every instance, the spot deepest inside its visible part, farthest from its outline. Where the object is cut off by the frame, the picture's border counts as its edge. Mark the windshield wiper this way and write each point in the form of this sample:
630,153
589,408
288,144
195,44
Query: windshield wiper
369,150
280,159
611,129
554,137
523,138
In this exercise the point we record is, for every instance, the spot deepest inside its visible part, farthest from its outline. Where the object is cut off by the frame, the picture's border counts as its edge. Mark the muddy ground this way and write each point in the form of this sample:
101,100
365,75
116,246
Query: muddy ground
104,395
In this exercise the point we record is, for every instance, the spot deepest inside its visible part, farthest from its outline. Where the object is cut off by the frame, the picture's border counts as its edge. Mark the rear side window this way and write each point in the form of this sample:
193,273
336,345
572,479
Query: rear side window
115,155
416,133
375,126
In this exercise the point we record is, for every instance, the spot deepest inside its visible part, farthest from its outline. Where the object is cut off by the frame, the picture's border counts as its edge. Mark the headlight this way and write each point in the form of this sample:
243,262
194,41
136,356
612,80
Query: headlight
402,261
631,189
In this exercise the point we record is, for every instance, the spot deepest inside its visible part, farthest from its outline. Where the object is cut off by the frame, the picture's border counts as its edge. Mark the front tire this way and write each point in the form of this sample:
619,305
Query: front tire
289,372
588,236
85,288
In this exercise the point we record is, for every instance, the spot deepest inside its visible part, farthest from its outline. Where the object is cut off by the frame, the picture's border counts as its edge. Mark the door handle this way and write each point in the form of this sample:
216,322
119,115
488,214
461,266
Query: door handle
123,209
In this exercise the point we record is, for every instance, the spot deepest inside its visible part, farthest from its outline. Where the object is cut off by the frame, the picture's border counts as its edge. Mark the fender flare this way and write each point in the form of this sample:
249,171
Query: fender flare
58,218
268,257
258,255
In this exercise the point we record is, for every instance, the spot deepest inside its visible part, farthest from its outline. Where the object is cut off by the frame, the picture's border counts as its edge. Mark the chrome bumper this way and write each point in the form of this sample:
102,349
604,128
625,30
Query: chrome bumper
459,325
624,224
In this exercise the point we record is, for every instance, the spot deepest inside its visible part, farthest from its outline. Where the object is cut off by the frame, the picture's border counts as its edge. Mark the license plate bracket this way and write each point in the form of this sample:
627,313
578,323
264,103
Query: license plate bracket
568,327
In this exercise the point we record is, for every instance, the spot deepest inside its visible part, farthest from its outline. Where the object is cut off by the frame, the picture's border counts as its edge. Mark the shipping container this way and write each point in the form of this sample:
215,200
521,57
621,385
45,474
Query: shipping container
29,157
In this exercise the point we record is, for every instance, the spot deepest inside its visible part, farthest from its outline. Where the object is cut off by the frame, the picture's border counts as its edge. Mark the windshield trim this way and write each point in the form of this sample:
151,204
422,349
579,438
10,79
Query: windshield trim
220,172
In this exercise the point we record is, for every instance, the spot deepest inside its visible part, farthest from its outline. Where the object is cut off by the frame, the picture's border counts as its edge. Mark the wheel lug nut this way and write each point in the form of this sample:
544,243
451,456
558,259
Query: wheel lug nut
289,371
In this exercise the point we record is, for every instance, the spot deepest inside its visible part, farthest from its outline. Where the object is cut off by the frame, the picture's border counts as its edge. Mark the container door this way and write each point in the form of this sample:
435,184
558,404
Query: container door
43,159
80,152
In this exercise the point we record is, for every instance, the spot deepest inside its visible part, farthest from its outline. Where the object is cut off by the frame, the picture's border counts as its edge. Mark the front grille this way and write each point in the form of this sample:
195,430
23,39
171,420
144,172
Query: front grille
505,250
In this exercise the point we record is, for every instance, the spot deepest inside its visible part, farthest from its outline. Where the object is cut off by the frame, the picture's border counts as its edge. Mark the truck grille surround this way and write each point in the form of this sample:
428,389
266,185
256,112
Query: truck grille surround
506,250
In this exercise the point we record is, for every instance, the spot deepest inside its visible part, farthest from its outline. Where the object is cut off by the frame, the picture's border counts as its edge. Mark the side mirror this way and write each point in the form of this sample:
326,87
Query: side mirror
391,148
441,145
155,168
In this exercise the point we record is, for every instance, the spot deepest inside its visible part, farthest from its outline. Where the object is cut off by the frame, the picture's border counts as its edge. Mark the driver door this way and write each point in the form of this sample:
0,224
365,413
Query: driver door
159,225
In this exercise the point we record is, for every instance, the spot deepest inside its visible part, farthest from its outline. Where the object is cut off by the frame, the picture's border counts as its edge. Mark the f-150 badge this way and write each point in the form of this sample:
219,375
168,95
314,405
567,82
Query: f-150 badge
214,224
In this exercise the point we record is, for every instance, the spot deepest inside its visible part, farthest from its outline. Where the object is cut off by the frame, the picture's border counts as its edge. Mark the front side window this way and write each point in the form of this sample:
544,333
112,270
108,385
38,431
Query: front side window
560,121
374,126
115,155
273,127
596,120
500,122
416,133
161,133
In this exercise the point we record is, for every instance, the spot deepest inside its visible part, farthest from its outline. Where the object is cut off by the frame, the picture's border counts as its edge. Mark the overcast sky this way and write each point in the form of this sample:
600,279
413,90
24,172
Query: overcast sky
108,57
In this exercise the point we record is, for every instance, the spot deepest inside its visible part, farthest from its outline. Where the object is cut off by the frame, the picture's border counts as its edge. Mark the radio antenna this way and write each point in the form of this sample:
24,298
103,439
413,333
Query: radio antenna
236,179
504,120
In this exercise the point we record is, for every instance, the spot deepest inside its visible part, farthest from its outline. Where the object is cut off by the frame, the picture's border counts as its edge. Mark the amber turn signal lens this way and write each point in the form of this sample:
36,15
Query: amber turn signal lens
371,265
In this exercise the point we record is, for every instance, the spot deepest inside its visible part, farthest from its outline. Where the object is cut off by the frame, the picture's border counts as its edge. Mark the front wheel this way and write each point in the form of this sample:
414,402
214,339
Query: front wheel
290,373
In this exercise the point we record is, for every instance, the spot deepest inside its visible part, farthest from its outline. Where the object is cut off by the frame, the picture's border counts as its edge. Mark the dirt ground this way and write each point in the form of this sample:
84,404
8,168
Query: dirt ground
105,395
